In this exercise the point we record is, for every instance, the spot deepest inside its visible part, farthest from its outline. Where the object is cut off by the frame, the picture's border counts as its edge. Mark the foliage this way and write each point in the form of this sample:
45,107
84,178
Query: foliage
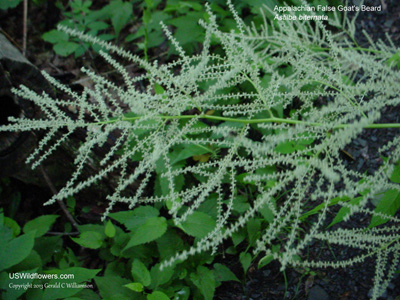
132,269
232,145
25,255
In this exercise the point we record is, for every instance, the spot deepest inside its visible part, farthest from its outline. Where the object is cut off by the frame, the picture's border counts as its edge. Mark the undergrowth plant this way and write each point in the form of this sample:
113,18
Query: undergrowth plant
270,116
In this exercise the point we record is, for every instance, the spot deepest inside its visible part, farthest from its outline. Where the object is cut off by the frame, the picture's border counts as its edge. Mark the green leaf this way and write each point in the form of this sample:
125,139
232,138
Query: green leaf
157,295
149,3
110,229
65,48
238,236
140,272
16,250
99,25
10,223
188,30
121,12
89,239
394,60
265,261
169,244
240,204
54,36
135,286
160,277
135,218
6,4
151,230
198,224
396,174
253,230
41,224
189,151
158,89
267,213
112,287
389,204
80,275
32,261
204,280
245,260
223,273
344,211
47,246
319,207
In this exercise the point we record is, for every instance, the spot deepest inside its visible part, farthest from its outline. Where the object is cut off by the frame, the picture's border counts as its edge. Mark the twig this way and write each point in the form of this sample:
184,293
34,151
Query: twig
60,202
25,27
62,233
11,39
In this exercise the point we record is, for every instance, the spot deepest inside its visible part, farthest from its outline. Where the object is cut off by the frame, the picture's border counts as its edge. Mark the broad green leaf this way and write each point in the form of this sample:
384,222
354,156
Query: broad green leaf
288,147
47,246
80,275
54,36
198,224
223,273
135,218
160,277
121,12
205,281
240,204
113,287
388,205
135,286
16,250
99,25
140,272
151,230
157,295
169,244
89,239
188,30
41,224
32,261
245,260
110,229
65,48
239,236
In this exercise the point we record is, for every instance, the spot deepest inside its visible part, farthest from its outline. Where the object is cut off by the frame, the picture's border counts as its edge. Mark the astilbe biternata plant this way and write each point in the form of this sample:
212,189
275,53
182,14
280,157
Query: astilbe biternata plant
233,94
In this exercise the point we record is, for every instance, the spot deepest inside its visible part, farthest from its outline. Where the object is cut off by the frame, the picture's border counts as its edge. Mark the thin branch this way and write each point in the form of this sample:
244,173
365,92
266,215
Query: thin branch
25,27
60,202
63,233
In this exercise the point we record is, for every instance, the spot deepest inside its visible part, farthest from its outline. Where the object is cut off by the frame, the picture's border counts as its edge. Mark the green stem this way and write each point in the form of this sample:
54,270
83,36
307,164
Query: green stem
254,121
